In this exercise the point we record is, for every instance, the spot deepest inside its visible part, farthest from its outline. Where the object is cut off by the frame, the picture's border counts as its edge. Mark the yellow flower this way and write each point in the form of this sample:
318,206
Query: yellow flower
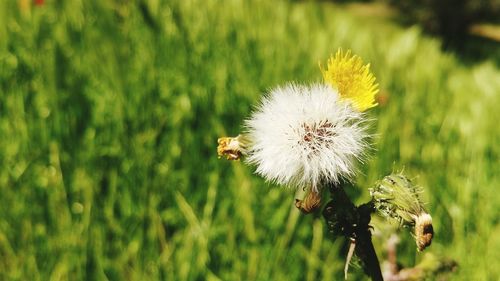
352,79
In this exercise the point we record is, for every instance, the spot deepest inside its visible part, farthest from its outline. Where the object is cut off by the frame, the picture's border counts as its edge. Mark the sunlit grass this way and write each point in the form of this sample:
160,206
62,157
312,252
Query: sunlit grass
110,113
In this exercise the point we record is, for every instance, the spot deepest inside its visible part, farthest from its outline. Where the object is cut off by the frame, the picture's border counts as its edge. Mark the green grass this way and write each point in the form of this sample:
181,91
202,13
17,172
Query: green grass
110,112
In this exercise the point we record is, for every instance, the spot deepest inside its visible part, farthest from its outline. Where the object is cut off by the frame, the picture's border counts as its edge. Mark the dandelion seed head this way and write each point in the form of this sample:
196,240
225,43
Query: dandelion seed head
301,135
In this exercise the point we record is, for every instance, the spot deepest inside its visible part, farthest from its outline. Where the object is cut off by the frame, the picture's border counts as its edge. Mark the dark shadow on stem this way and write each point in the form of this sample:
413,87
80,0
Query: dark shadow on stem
343,218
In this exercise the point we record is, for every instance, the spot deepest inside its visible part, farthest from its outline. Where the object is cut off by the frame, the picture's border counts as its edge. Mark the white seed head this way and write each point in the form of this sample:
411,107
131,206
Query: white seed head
301,135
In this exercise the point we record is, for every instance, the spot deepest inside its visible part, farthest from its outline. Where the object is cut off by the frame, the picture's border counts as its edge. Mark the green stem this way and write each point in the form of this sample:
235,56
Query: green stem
345,219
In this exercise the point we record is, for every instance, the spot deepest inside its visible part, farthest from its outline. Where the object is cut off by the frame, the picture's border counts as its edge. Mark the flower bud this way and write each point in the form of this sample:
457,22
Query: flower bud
396,198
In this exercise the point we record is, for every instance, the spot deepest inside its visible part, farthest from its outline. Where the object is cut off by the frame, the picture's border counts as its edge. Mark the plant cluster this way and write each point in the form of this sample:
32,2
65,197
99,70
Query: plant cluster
311,137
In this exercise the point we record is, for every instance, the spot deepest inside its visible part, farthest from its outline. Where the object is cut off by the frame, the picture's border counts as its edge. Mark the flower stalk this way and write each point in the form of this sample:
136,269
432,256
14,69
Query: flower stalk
343,218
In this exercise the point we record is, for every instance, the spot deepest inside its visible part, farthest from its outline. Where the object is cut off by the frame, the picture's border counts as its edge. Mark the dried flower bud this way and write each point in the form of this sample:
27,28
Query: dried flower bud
311,201
231,148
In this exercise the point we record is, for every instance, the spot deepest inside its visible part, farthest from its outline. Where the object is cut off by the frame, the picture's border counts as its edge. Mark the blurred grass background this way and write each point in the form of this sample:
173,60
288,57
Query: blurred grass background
110,112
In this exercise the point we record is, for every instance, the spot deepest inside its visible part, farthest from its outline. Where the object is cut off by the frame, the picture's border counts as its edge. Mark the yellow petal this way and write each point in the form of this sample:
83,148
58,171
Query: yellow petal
352,79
